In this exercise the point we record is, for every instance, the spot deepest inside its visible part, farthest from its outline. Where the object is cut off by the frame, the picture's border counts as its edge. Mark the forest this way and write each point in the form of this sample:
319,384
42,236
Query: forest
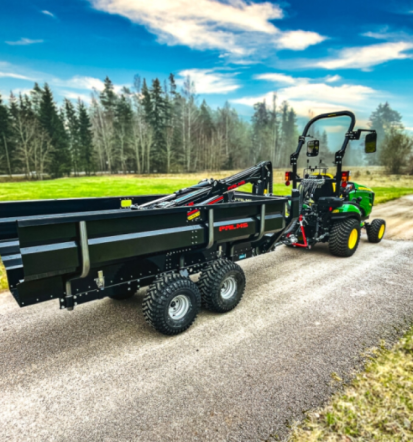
156,128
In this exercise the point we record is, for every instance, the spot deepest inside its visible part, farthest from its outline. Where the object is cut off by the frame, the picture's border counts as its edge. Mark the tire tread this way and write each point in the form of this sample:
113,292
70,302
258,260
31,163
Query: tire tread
339,233
210,281
156,296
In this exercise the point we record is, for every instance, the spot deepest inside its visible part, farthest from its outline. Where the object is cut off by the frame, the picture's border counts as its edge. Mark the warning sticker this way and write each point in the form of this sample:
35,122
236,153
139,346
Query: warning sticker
193,214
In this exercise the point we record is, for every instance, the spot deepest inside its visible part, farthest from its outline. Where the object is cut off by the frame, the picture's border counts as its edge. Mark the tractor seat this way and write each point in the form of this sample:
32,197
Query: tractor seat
326,190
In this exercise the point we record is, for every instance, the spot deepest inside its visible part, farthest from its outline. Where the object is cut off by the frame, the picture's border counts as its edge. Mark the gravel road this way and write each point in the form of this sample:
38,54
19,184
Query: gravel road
101,374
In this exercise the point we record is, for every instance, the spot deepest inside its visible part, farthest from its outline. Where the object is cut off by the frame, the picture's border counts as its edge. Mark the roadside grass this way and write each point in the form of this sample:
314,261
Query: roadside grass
3,279
377,405
386,187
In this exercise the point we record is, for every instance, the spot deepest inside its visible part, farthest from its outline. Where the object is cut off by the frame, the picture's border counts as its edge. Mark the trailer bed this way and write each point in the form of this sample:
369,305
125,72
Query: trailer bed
100,247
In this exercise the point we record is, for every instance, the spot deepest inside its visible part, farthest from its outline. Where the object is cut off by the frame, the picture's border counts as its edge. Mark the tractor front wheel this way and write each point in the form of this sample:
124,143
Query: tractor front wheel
376,230
344,237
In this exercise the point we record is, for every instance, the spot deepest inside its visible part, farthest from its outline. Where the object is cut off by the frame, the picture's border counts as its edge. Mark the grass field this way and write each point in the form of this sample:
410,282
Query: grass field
386,188
378,405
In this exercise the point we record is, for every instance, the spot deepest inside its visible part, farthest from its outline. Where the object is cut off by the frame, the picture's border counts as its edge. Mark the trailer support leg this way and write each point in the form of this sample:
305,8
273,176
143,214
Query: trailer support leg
69,300
210,229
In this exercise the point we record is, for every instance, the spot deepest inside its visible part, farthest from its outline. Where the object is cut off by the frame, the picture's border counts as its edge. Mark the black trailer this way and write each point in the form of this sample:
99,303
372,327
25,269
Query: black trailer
80,250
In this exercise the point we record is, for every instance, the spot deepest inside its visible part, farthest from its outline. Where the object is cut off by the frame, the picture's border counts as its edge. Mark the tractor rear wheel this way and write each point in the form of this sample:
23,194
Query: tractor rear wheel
376,230
344,237
171,304
222,285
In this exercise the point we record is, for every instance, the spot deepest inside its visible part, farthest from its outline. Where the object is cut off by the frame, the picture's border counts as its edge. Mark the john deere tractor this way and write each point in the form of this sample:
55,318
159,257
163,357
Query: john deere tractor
334,208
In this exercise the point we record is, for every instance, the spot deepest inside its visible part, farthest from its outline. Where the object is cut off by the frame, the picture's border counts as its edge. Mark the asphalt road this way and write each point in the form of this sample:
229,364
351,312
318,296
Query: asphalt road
101,374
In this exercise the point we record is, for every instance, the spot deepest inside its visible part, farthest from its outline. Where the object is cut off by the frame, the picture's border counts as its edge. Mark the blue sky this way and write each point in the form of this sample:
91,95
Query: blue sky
320,55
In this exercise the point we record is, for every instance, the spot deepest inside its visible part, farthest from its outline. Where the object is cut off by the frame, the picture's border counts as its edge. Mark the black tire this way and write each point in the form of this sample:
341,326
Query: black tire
342,241
162,297
376,230
218,275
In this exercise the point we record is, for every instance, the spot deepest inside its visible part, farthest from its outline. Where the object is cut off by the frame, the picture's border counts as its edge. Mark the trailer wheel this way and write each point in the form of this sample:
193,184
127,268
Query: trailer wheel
171,304
222,285
376,230
344,237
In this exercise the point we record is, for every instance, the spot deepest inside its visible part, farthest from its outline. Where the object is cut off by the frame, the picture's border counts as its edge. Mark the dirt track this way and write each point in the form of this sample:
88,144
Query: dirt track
399,217
101,374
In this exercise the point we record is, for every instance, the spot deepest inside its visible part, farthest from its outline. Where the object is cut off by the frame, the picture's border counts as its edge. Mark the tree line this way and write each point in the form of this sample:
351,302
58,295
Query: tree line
156,128
145,129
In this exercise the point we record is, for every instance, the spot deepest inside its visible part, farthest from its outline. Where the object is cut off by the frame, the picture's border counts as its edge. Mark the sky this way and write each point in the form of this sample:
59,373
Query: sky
320,56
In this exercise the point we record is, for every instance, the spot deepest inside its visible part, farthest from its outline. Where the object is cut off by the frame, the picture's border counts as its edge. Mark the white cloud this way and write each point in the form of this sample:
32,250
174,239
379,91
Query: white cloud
84,83
50,14
277,78
70,95
365,57
14,75
23,42
79,82
332,78
318,97
237,27
207,81
299,40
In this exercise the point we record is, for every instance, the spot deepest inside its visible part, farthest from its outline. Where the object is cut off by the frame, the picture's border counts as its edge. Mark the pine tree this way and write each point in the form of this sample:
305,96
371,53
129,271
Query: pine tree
6,146
157,121
261,132
123,128
73,132
108,96
53,123
383,120
85,139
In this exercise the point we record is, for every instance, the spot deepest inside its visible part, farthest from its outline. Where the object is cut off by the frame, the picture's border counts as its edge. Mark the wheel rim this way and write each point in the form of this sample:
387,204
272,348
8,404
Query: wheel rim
381,231
228,287
352,240
178,307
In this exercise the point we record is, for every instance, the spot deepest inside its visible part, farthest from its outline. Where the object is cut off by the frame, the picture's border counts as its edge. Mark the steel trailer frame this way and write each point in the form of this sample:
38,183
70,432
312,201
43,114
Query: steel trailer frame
80,250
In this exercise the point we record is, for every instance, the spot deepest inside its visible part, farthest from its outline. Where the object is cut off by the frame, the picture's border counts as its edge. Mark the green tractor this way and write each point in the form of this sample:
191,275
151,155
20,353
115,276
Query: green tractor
334,209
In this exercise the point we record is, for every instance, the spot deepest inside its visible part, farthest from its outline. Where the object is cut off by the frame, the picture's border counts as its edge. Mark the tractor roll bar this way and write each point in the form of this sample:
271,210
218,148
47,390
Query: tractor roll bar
339,154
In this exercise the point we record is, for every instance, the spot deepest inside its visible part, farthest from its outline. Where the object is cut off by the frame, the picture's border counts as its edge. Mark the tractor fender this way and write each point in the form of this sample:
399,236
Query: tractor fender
346,211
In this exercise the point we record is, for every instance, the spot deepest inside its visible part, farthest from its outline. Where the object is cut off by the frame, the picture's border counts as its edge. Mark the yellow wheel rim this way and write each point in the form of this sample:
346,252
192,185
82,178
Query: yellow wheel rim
352,240
381,231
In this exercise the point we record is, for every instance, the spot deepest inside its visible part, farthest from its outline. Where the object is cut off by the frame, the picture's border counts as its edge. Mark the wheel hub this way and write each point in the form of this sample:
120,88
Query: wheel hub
352,240
228,287
178,307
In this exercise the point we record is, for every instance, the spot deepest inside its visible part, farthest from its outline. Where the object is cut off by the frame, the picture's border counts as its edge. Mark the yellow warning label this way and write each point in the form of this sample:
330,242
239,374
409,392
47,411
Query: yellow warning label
125,203
194,215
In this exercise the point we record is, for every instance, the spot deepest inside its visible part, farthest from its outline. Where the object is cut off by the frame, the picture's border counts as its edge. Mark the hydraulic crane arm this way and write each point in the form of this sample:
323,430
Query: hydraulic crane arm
210,191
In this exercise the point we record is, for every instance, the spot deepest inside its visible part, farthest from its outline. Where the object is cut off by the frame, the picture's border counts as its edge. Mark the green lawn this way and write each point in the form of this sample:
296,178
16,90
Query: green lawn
384,194
129,185
91,187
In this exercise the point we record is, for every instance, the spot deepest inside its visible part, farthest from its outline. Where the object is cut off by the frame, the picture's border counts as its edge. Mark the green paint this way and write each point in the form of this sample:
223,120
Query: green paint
347,208
367,196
